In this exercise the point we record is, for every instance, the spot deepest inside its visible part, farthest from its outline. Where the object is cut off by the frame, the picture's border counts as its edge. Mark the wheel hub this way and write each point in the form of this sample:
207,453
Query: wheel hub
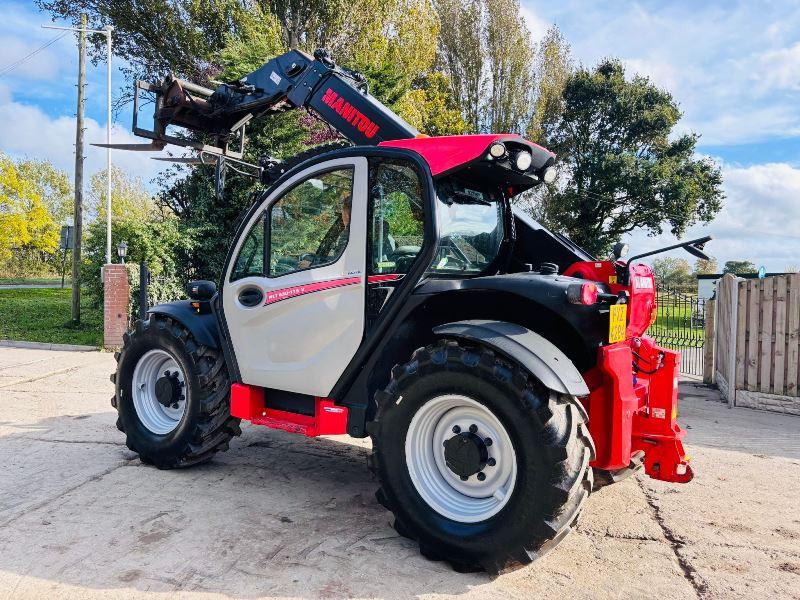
159,391
466,454
460,458
168,389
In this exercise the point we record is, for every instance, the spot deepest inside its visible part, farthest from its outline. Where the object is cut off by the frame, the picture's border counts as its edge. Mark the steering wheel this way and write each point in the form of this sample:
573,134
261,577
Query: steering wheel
308,257
450,251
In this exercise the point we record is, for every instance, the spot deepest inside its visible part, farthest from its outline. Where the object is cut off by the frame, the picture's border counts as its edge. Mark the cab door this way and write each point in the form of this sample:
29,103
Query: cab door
294,294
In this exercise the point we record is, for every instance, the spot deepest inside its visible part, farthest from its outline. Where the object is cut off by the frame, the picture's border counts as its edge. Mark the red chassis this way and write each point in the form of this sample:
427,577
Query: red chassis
633,400
636,411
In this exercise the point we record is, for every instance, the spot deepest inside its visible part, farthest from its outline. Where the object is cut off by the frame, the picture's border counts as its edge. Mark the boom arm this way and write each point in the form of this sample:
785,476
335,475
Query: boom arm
291,80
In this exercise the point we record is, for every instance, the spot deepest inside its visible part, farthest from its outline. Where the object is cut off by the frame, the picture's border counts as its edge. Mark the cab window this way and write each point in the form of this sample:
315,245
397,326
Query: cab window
469,218
397,224
250,262
309,226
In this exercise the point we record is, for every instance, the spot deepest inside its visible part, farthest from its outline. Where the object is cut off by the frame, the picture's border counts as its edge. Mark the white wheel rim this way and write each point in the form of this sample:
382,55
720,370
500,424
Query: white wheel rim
469,501
153,415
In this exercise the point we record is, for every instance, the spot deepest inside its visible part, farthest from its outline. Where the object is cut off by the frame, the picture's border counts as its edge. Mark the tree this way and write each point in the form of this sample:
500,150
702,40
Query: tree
156,37
672,272
26,223
621,166
706,267
430,107
739,267
553,67
487,53
129,198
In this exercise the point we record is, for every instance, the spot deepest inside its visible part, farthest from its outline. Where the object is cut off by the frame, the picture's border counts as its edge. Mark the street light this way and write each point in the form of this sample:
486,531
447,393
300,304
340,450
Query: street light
106,31
122,250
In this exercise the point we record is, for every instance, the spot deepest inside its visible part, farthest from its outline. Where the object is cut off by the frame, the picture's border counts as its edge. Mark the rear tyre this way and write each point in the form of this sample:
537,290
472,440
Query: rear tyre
480,464
172,395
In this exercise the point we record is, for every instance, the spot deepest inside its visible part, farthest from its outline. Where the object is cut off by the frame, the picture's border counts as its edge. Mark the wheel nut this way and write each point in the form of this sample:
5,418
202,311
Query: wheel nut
174,405
456,429
182,397
481,476
166,373
491,462
488,441
473,428
464,478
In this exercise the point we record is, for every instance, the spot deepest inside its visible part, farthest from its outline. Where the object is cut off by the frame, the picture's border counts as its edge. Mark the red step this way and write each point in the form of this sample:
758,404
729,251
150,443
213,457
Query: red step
247,402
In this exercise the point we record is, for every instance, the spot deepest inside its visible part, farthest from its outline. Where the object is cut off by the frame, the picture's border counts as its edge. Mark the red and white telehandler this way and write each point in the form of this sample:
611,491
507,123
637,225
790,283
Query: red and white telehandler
390,289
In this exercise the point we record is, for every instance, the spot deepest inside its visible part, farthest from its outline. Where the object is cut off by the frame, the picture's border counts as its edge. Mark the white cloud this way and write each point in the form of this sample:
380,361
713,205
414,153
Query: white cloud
536,24
734,67
29,132
45,65
760,221
779,69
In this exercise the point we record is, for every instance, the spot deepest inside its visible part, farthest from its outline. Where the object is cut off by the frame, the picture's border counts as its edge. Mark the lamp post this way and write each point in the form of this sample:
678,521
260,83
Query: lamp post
106,31
122,251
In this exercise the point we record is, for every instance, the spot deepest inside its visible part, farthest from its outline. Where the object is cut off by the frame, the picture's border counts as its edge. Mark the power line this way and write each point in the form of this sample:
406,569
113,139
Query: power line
10,67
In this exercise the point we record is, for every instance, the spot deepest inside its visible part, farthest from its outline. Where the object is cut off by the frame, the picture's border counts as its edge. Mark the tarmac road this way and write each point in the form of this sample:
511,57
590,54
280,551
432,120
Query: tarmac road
282,516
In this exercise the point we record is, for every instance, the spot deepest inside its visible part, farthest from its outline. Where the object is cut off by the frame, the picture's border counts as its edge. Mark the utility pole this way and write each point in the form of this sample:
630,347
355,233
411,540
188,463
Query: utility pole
76,252
106,31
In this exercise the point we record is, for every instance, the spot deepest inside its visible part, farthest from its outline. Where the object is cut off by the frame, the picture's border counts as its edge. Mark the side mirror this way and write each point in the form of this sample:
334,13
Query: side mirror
201,289
620,250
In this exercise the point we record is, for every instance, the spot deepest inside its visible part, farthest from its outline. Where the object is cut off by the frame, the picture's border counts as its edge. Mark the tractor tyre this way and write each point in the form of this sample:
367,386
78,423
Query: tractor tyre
172,395
481,464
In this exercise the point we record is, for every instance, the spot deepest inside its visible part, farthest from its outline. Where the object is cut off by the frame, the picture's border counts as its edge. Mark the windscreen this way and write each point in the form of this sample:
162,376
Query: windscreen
470,222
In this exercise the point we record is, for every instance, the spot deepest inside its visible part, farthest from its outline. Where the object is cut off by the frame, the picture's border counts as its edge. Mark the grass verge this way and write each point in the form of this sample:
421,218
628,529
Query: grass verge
33,281
44,315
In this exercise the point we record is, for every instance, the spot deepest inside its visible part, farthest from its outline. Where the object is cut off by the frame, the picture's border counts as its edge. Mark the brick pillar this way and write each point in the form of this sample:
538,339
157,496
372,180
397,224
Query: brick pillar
115,304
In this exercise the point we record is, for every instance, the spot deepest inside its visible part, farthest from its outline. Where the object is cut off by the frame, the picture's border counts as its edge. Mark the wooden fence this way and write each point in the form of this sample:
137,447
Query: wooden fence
757,341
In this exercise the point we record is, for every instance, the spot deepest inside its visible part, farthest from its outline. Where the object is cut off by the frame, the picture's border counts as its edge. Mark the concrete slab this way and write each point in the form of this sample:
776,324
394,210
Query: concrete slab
283,516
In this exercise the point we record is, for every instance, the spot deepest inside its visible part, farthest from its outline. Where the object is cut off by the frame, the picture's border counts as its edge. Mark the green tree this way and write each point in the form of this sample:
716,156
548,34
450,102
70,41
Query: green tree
621,166
129,198
156,37
672,272
553,66
488,55
739,267
706,267
430,107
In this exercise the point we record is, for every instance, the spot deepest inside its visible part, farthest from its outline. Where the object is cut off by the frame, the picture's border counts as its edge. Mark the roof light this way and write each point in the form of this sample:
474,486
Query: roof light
523,160
497,150
549,175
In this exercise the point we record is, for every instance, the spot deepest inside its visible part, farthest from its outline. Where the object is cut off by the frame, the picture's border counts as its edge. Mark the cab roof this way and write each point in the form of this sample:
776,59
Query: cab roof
469,153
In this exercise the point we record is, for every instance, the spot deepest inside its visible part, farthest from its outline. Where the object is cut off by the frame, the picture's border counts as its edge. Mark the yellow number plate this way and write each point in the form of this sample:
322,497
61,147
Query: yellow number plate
618,322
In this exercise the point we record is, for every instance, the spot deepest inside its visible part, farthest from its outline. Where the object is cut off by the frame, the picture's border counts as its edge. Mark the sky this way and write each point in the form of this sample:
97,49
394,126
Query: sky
733,67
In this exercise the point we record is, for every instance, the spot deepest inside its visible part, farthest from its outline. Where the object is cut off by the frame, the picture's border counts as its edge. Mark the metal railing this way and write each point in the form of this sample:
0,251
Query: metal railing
681,325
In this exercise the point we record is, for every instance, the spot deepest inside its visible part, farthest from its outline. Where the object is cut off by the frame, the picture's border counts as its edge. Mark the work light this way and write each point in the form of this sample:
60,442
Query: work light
497,150
523,160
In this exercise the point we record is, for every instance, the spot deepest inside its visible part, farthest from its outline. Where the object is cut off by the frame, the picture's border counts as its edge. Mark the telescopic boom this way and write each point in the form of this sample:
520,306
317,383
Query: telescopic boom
292,80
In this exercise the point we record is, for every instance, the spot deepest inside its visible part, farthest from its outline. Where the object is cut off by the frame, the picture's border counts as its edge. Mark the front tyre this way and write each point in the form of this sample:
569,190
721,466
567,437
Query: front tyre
172,395
479,463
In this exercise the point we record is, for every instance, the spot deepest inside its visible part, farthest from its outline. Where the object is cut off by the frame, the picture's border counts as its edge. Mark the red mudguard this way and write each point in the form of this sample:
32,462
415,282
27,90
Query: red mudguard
635,408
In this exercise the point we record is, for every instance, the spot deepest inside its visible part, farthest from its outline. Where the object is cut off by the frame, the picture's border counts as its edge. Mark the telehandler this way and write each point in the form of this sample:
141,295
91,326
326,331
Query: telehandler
390,289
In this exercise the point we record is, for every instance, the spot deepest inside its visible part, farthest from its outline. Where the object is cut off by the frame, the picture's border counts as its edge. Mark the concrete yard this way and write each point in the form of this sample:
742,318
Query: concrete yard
282,516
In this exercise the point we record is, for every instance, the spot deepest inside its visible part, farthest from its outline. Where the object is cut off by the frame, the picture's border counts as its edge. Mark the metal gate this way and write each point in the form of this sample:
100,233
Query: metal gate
681,325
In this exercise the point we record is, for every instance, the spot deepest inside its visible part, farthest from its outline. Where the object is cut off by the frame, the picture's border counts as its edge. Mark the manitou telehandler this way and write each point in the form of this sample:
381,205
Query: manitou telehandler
389,289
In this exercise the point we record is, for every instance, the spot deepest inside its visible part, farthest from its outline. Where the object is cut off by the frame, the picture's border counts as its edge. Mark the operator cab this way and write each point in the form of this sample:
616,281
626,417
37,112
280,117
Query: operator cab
325,250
